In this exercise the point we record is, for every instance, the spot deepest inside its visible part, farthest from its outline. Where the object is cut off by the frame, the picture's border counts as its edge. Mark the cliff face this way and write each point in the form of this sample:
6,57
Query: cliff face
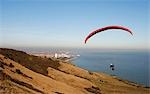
28,74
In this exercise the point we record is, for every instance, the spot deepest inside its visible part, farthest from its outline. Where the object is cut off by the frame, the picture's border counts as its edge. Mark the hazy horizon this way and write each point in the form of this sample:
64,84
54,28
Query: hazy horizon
59,49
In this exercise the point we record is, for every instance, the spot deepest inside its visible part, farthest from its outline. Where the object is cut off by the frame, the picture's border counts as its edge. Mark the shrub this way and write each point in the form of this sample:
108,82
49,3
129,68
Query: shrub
18,71
11,65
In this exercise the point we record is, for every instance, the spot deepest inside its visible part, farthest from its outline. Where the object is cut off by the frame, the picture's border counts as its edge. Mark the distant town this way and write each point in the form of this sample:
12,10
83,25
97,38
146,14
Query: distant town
56,55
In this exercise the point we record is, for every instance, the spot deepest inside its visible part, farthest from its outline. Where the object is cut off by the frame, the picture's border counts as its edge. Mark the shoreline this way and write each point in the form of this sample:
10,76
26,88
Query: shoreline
52,76
69,60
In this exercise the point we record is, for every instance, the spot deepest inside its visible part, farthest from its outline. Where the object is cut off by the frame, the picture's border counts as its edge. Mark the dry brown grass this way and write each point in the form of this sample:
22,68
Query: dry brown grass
31,74
31,62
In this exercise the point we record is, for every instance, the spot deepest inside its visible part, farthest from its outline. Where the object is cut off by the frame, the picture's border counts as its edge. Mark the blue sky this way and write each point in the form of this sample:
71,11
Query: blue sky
64,23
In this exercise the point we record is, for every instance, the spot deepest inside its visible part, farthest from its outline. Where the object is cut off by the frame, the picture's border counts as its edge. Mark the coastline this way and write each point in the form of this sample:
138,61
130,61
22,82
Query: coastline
72,58
47,76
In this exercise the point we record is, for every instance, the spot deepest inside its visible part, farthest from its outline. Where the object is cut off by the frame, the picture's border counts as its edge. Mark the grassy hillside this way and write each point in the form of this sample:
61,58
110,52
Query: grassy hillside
21,73
31,62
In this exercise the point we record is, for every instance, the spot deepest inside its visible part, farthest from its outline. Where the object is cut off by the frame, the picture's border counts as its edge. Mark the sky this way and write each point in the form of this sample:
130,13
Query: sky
66,23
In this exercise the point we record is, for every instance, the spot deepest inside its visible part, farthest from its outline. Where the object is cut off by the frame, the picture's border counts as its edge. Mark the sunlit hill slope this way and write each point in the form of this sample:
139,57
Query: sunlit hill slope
21,73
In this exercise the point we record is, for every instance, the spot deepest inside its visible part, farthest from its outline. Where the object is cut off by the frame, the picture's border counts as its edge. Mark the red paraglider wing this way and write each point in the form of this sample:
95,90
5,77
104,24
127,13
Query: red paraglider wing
106,28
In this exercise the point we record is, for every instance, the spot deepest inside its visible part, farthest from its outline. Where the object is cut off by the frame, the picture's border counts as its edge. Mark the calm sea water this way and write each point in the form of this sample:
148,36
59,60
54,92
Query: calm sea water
129,65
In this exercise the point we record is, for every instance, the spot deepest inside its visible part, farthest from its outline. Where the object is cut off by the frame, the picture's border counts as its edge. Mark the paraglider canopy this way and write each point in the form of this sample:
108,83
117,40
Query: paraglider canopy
107,28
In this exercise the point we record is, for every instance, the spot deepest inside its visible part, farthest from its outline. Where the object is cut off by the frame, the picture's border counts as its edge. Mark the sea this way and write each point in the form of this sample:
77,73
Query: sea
131,65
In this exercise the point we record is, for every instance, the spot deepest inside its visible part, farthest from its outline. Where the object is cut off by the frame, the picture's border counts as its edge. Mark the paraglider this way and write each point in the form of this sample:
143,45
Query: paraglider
107,28
112,66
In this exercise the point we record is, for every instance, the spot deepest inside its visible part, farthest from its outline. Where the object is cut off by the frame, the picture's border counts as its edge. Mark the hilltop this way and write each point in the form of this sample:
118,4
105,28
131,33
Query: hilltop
29,74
